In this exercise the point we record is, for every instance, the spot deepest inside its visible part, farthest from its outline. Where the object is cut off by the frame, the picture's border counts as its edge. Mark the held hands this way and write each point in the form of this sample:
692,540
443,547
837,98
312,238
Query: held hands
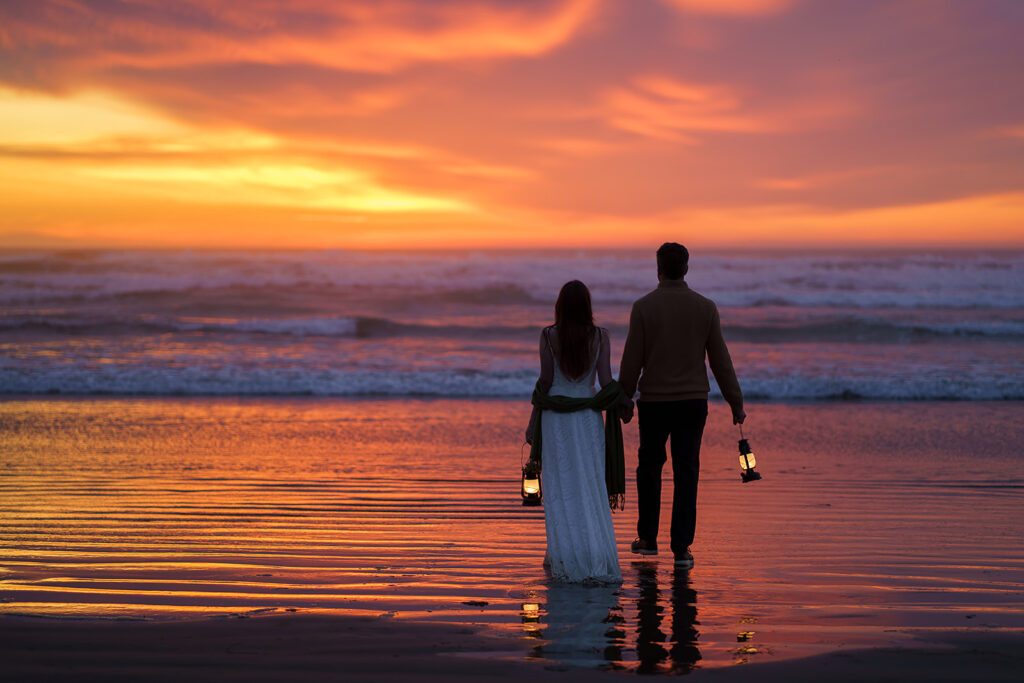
626,410
738,415
529,433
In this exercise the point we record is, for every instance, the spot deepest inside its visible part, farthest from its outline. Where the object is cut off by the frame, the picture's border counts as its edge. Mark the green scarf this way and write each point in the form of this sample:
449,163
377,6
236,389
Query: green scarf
608,400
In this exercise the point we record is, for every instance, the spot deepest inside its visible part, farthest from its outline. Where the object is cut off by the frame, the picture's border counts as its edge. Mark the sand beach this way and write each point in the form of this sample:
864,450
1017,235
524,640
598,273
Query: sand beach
383,537
278,280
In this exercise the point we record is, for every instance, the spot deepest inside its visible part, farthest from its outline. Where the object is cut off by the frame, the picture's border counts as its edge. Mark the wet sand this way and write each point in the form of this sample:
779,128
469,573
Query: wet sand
881,534
317,648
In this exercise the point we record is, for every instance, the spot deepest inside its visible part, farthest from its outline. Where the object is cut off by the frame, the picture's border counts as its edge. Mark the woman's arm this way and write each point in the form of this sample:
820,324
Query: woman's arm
604,358
547,361
547,377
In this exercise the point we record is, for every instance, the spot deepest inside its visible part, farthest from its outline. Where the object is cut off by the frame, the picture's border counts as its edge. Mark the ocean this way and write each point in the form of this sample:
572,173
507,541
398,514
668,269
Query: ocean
802,326
203,435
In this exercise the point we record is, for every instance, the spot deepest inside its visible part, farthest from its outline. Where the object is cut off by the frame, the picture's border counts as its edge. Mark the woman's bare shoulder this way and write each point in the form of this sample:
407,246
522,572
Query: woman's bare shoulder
548,335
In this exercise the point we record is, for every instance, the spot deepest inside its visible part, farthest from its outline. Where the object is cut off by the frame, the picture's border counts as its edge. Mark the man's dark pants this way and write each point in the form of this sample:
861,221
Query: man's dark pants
683,422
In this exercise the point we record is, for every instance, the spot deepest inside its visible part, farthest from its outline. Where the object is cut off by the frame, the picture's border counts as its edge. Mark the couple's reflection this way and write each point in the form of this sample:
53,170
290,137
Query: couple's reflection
656,650
580,624
594,625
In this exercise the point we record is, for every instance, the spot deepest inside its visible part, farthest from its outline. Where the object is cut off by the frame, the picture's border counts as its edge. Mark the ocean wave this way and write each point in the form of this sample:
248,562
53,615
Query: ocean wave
230,380
357,327
873,330
840,280
823,329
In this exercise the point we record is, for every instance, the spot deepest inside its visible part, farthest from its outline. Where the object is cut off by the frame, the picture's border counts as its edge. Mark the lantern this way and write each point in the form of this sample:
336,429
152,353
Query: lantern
531,489
747,461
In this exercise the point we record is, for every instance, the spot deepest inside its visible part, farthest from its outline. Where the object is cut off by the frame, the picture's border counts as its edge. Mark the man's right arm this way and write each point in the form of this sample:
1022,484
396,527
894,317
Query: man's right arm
632,353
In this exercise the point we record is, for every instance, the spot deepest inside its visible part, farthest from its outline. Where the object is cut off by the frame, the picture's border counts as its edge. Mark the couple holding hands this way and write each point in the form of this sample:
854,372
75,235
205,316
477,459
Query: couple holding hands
671,331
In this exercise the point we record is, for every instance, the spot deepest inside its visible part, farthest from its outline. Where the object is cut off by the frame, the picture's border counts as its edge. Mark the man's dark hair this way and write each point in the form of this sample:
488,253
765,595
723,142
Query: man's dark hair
673,260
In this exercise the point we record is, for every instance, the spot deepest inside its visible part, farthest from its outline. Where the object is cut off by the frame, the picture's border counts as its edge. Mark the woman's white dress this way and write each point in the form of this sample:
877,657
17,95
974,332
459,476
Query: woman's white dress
577,518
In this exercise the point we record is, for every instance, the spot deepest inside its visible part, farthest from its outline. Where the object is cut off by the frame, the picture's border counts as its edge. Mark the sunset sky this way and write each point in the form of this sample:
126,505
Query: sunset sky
581,123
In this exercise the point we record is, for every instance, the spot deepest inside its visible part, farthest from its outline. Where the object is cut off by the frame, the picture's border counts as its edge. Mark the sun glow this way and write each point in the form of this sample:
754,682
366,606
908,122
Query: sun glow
476,123
94,149
31,119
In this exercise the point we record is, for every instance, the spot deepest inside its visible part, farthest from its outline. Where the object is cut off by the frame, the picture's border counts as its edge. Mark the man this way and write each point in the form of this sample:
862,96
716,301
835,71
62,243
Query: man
671,329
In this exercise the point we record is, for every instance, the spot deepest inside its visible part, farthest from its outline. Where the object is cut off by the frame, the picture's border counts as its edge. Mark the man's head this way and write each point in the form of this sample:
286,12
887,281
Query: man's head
673,261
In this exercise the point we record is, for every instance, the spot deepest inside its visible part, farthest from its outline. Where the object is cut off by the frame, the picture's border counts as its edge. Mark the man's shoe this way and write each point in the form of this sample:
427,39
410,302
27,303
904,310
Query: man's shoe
685,561
642,547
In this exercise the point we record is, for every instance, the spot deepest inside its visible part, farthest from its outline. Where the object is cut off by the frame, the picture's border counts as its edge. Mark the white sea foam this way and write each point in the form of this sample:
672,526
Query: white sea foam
817,326
239,380
857,281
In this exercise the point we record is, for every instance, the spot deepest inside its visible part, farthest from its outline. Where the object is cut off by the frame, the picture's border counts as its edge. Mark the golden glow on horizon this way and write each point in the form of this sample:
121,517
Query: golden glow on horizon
476,123
102,159
28,118
275,185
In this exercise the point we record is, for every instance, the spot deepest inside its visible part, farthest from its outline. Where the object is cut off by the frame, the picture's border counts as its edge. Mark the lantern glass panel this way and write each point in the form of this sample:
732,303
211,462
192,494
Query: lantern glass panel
747,461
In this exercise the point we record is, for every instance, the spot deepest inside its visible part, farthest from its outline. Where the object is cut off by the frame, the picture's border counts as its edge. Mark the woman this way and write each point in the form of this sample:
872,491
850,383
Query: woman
575,449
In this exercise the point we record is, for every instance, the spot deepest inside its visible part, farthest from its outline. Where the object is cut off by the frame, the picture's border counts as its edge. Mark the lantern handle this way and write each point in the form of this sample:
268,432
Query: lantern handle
741,431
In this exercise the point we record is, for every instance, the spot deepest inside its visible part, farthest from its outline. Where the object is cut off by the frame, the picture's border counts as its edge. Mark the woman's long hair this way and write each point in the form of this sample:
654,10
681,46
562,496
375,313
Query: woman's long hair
575,321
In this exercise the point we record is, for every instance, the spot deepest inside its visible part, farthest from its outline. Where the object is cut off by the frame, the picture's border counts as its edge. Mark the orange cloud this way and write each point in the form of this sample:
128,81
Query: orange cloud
733,7
1012,131
818,180
533,122
661,107
967,221
582,147
119,157
496,172
360,35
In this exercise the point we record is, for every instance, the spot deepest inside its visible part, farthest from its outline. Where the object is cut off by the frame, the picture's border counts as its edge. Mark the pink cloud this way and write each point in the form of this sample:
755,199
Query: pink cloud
662,107
357,35
733,7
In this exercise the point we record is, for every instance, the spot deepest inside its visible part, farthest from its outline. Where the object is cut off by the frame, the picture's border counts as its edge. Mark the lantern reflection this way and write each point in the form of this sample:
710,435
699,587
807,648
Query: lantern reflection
530,614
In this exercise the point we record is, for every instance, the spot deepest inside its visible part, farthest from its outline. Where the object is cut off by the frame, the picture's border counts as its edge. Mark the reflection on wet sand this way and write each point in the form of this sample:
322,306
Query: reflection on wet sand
658,651
579,624
595,626
192,508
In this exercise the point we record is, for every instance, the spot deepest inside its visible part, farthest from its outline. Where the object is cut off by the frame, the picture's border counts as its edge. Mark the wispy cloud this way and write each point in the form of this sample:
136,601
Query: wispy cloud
1011,131
963,221
577,147
741,8
491,121
662,107
825,179
357,35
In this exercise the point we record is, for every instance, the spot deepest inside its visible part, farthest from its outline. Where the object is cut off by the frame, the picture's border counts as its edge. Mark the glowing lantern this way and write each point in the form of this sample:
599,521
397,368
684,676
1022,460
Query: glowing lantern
747,461
531,489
